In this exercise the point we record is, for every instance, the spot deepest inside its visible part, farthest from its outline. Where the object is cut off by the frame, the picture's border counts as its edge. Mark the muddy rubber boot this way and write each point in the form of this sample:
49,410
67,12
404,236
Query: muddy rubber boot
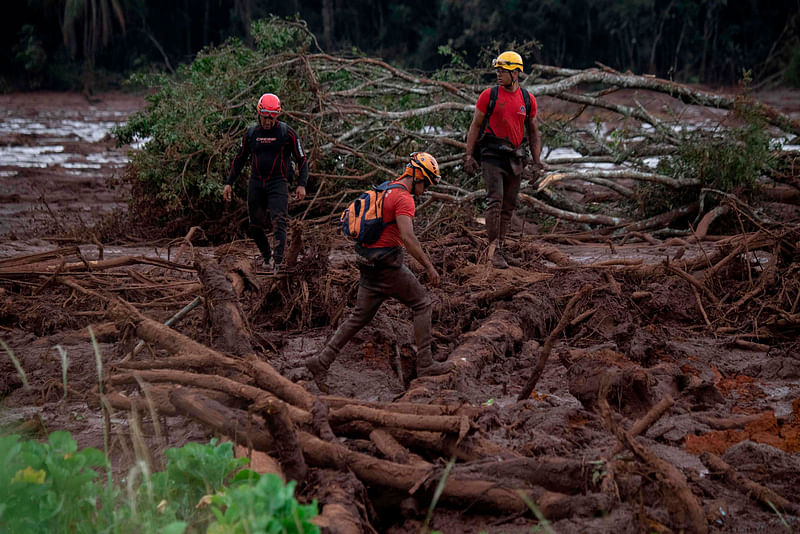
318,366
498,261
257,235
427,367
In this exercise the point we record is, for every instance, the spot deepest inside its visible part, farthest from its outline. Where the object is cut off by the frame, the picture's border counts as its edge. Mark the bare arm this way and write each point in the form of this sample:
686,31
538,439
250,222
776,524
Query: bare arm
406,226
534,140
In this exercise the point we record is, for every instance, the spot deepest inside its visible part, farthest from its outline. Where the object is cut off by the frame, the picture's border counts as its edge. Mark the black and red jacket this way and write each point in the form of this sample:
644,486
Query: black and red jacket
269,152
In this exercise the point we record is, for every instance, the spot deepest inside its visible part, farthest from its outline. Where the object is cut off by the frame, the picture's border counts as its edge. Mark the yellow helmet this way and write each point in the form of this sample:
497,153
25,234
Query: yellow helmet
508,60
428,166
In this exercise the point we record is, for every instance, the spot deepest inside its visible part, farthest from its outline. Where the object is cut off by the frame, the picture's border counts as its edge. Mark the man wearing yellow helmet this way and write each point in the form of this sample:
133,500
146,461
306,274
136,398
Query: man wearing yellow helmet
496,135
384,274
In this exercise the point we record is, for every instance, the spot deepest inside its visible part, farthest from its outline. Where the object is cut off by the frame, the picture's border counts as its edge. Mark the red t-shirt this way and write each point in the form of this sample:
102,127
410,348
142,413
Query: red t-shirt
507,121
395,202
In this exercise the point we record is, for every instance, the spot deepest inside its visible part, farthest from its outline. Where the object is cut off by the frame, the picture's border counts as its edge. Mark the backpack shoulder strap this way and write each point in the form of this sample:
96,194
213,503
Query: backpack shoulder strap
385,186
283,128
526,96
489,109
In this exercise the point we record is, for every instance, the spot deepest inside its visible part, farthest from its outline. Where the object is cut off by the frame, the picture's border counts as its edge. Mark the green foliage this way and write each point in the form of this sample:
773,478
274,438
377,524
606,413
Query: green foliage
266,506
273,36
53,487
194,120
48,487
192,471
724,159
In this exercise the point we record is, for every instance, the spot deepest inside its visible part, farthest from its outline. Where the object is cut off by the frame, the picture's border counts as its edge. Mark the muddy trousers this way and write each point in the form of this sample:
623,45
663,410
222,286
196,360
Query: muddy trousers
267,209
502,177
375,286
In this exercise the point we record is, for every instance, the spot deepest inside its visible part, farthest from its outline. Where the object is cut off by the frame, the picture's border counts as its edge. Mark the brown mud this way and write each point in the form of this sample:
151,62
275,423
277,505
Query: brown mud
725,355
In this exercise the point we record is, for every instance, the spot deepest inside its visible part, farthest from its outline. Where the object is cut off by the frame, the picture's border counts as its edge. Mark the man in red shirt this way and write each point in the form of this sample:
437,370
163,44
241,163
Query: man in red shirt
384,274
498,134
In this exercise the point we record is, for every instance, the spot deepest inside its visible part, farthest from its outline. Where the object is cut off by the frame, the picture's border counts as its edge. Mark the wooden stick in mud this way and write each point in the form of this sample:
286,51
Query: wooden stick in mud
472,447
434,423
219,383
241,427
608,483
753,489
685,509
389,447
442,423
169,322
641,425
566,317
341,504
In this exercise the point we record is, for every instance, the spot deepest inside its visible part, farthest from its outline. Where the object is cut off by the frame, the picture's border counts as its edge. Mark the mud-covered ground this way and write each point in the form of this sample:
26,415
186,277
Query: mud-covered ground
727,355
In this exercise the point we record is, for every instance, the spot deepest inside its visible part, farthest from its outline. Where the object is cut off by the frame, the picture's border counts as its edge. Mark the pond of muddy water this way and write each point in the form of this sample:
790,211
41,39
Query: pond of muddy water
58,161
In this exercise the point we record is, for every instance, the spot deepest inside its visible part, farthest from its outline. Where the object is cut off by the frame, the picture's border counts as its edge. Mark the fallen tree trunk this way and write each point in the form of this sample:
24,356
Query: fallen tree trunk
263,373
496,336
284,436
229,325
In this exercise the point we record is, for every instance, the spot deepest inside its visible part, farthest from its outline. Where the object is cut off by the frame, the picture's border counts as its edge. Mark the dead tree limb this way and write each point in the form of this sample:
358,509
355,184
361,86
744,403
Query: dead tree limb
496,335
685,508
227,319
434,423
756,491
284,435
566,317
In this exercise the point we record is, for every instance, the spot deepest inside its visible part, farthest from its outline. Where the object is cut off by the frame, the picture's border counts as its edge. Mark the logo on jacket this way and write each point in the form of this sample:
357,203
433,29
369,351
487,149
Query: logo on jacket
265,140
522,110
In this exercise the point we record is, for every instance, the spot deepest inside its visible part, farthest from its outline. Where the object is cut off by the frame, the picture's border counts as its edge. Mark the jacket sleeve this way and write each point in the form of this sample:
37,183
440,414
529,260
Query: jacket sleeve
239,160
300,157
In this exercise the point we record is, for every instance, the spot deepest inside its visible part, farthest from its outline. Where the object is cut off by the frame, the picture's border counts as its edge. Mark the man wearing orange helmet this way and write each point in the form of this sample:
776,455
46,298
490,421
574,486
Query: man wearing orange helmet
384,274
496,135
268,146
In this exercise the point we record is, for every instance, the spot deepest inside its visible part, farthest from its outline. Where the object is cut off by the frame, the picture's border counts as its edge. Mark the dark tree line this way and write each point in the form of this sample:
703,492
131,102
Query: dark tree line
65,43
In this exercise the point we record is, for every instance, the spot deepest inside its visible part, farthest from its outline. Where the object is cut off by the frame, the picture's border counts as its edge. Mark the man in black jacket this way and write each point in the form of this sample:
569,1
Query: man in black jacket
269,146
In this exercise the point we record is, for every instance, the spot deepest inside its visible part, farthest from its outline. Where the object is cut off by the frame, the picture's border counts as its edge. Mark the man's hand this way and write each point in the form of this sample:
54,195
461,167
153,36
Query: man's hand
471,167
433,276
533,170
300,193
227,193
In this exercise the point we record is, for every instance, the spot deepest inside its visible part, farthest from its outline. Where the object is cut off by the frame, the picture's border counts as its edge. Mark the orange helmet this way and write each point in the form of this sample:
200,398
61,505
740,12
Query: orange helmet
428,167
268,104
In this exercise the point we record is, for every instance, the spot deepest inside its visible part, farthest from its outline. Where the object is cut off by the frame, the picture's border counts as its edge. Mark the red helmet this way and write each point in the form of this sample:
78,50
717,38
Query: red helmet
268,104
